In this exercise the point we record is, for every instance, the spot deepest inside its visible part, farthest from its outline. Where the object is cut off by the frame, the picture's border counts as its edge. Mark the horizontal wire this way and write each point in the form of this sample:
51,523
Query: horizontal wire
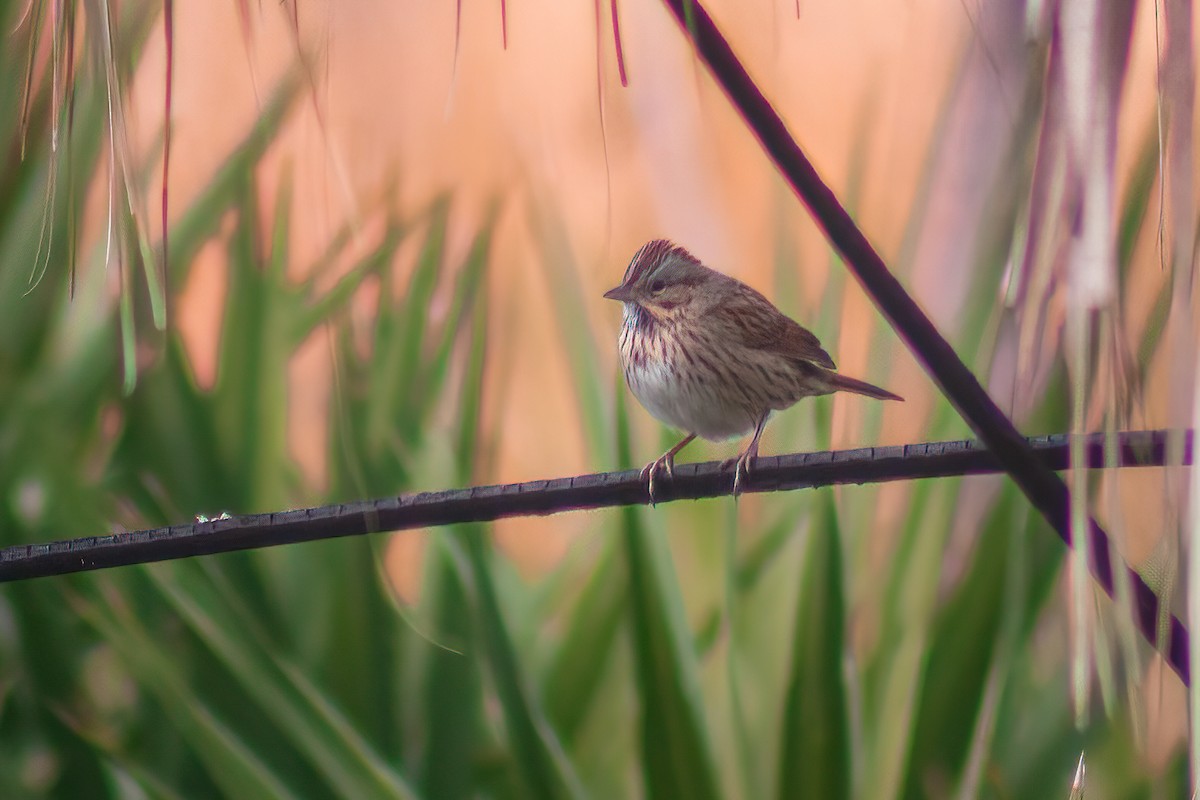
543,497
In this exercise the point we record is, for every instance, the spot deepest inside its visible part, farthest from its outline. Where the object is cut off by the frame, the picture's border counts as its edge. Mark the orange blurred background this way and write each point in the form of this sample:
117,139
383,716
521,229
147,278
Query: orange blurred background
401,99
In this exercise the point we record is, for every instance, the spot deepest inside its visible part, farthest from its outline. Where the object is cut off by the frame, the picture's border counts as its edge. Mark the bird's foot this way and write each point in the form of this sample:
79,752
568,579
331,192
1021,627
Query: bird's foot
741,464
664,463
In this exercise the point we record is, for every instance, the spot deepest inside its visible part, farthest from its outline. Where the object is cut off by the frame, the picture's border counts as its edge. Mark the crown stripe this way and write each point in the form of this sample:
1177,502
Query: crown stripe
650,255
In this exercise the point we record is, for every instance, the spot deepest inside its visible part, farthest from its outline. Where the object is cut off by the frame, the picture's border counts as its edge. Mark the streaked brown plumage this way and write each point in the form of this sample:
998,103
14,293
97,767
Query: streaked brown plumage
707,354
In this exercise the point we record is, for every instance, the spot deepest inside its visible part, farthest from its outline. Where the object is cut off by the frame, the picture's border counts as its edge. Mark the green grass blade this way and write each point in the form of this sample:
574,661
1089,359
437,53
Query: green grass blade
251,389
539,758
470,284
287,697
231,761
414,326
452,696
993,611
128,780
677,754
203,217
814,755
128,328
568,302
536,750
321,308
893,682
470,410
579,663
676,751
453,684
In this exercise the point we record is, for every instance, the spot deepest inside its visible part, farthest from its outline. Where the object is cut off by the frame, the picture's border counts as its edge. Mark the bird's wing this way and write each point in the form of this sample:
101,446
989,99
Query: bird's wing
775,332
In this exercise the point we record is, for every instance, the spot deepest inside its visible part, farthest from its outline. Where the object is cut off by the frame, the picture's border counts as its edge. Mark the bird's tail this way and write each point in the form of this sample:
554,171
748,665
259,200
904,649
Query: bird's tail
841,383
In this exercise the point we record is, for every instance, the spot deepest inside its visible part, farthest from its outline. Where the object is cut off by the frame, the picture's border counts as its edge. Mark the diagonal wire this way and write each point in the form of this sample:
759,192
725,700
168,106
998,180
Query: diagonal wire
1044,489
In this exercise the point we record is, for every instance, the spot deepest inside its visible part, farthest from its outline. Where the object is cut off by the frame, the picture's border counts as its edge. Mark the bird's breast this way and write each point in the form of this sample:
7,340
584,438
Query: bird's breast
678,385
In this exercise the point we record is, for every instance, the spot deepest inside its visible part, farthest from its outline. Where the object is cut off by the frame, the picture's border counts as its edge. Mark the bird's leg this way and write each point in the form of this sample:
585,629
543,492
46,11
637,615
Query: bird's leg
746,457
665,462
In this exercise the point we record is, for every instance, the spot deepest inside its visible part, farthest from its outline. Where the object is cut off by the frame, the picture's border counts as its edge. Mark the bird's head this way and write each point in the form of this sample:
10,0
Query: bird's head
666,280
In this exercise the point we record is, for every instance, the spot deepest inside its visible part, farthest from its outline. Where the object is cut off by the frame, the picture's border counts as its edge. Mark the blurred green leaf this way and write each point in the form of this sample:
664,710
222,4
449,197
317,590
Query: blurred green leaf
231,763
453,692
814,756
567,300
1014,565
284,694
676,750
199,221
583,657
538,755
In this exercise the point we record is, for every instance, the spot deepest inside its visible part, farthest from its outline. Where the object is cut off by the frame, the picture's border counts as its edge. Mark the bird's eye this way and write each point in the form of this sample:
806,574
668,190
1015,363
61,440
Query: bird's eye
657,286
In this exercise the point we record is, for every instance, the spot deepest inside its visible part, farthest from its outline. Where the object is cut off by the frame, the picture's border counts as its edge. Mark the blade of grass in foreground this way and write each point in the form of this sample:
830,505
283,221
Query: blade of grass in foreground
251,385
580,661
453,699
468,308
562,275
995,606
677,756
203,217
134,780
676,753
413,320
231,763
578,665
750,568
893,683
538,754
286,697
814,757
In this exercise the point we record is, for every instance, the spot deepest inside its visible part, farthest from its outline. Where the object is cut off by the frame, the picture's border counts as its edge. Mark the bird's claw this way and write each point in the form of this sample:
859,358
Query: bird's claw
664,463
741,471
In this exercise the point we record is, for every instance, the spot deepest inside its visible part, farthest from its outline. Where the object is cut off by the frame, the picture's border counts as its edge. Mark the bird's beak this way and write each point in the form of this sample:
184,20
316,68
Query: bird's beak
623,293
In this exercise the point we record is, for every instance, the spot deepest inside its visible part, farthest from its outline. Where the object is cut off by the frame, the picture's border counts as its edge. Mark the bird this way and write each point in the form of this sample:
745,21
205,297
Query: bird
709,355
